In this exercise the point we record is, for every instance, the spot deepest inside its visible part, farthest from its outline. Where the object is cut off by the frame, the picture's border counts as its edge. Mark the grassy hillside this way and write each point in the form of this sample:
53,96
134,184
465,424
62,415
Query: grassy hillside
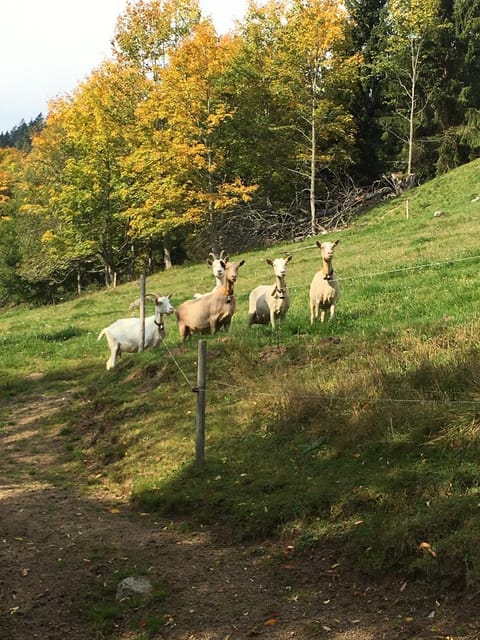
363,433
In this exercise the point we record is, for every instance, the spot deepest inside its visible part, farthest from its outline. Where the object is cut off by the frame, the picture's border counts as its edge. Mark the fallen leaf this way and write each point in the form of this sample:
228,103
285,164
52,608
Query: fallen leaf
271,622
425,546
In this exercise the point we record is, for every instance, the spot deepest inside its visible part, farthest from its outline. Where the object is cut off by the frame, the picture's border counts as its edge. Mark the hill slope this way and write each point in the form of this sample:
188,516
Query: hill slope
361,434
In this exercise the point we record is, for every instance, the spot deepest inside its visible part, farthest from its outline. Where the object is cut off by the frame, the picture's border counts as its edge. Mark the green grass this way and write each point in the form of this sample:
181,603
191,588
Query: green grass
362,433
142,615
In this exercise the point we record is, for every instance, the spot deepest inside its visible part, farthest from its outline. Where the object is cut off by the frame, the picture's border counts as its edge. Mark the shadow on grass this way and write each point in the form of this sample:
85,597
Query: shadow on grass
387,480
376,478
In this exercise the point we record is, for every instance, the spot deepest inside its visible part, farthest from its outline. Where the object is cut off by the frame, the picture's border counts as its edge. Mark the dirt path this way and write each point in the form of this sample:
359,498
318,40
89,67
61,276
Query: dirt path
58,548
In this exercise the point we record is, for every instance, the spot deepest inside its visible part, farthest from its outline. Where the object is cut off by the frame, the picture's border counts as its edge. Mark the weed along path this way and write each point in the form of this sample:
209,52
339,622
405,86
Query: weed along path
63,553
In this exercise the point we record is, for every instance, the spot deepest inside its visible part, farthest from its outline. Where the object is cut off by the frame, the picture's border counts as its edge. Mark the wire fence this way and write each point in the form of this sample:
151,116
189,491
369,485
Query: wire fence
220,387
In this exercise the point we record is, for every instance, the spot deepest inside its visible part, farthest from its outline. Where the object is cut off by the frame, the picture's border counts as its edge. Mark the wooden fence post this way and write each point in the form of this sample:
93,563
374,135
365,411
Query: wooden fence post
141,343
201,393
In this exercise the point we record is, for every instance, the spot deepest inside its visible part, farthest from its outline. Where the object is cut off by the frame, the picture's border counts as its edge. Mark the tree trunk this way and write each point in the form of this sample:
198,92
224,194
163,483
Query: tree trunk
415,46
167,258
110,277
313,216
313,160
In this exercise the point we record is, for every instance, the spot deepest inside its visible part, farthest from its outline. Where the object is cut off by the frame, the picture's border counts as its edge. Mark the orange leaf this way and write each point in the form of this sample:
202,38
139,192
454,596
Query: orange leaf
271,622
425,546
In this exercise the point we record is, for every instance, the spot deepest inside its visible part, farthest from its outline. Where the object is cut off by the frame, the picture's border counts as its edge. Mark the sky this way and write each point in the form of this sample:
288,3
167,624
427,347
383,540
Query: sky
48,47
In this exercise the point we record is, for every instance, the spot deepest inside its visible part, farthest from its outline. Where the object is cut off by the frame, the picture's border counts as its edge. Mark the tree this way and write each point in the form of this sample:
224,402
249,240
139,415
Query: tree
74,171
181,162
150,30
11,169
321,75
20,137
145,37
259,137
368,37
409,23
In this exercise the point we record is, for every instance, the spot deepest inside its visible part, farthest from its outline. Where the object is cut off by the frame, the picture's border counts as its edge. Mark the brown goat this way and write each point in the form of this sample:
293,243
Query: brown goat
212,311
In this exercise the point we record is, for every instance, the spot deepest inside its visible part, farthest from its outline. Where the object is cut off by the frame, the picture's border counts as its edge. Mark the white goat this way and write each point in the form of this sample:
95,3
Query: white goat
324,289
218,270
269,302
123,336
212,311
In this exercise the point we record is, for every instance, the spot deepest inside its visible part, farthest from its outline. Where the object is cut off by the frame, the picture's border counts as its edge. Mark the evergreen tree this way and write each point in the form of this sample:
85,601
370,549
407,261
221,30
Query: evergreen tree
20,137
368,34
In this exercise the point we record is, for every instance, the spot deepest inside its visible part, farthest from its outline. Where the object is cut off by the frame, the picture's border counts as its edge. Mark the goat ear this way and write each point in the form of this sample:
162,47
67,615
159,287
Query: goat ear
288,258
240,263
269,261
336,242
319,244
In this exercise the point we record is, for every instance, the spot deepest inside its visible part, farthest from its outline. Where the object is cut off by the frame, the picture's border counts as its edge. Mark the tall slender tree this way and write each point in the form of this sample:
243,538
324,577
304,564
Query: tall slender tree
404,61
321,75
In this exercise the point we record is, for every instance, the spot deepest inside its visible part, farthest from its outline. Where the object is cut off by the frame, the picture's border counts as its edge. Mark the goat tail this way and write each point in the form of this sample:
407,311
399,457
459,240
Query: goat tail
101,334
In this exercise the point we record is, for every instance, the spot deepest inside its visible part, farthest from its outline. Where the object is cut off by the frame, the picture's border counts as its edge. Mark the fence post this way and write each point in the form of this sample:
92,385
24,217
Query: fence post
201,393
141,343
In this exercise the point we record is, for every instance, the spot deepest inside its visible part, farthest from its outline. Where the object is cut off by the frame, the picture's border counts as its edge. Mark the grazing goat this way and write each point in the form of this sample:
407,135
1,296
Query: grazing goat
213,310
123,336
269,302
218,270
324,290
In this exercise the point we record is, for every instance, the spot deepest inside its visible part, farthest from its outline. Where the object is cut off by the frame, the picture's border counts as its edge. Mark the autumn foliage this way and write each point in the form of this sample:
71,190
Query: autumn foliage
183,129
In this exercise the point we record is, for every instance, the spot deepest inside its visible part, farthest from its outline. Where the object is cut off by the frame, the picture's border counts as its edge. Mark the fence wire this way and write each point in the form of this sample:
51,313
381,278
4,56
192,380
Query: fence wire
446,401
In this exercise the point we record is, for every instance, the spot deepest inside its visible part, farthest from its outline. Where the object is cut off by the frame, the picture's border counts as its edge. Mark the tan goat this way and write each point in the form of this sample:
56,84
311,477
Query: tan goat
212,311
269,302
324,290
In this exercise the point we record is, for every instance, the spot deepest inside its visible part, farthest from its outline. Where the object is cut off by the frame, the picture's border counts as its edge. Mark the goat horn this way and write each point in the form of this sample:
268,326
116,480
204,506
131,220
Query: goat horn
134,304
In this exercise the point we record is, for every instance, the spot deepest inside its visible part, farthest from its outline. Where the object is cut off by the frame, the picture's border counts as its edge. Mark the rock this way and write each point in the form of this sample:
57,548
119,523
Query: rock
138,586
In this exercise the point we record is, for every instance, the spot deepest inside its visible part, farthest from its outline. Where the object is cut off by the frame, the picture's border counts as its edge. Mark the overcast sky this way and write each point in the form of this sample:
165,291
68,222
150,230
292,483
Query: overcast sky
48,46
